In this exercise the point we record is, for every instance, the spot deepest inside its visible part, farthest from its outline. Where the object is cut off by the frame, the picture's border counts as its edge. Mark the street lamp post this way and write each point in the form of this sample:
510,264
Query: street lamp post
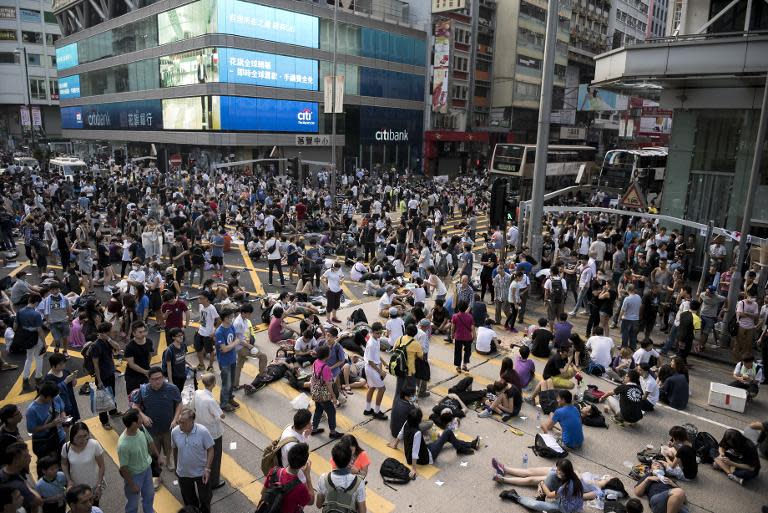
22,53
333,98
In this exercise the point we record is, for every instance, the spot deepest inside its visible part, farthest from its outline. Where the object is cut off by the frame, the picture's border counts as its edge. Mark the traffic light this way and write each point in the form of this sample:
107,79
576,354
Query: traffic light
292,168
510,210
497,214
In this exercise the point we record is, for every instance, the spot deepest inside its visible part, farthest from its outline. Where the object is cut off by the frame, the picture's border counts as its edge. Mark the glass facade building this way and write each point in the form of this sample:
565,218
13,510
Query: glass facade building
235,67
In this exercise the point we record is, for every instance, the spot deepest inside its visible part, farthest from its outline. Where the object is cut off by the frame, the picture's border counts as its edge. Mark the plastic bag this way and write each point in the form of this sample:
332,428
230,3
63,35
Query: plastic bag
300,402
102,399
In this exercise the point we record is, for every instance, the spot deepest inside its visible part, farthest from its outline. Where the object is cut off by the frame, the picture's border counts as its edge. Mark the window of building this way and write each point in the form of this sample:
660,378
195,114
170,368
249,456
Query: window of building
30,37
50,17
37,89
185,22
29,15
53,87
7,58
8,35
525,91
53,60
460,63
50,39
461,36
459,92
34,59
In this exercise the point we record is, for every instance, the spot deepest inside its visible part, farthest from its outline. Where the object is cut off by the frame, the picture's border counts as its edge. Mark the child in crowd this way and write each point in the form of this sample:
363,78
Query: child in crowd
52,485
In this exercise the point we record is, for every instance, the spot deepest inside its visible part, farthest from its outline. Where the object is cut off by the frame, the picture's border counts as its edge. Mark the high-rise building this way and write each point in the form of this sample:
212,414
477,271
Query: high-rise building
29,95
628,22
204,79
657,19
462,78
520,30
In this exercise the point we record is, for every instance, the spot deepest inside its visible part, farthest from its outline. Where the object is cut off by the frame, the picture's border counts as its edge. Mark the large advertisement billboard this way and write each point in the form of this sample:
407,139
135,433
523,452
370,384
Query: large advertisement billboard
264,69
259,21
441,66
594,99
134,115
69,87
268,115
66,56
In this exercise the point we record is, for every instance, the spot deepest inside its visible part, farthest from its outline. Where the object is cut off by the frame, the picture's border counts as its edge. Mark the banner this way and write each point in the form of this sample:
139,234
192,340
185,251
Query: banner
339,100
328,94
37,118
441,66
246,19
25,119
594,99
268,115
256,68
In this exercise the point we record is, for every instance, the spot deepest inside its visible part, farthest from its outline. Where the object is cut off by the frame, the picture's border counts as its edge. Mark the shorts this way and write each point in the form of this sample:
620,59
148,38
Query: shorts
60,331
659,501
707,324
562,382
217,260
373,378
333,300
554,310
202,342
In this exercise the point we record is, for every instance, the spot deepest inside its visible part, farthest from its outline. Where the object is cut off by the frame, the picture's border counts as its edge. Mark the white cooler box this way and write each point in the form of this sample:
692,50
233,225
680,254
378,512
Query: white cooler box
727,397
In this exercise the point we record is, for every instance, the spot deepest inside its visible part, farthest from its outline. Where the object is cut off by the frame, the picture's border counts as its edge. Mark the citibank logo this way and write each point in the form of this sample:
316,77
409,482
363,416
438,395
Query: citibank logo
305,117
391,135
98,119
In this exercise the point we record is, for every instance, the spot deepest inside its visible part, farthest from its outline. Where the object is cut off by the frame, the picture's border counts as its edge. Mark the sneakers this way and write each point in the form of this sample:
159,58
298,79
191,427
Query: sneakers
335,435
234,403
380,416
497,466
228,408
510,495
465,452
368,413
739,480
506,417
317,431
485,414
475,444
107,426
156,483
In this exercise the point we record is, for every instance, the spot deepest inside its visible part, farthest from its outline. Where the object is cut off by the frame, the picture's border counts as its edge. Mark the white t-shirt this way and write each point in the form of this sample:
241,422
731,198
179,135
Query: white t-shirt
419,295
600,348
208,412
273,247
484,338
341,481
287,432
357,272
208,316
82,465
437,284
372,351
395,328
269,223
334,279
385,301
643,356
651,386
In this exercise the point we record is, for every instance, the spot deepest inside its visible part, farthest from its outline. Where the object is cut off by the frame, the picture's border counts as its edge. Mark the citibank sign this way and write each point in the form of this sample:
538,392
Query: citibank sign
392,135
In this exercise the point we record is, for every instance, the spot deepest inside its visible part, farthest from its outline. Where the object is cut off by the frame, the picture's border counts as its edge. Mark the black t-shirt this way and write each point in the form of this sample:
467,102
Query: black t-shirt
553,366
103,351
488,257
141,354
540,344
748,457
656,487
687,456
6,439
630,396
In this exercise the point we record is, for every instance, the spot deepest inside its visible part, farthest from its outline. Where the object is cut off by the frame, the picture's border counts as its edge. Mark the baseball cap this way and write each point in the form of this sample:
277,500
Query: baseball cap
711,288
424,322
393,311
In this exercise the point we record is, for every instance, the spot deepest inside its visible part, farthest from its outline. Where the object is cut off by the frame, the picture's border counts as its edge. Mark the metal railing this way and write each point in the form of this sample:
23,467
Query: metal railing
706,36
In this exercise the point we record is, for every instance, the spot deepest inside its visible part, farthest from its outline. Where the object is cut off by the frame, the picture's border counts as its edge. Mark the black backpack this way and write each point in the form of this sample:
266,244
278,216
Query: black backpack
541,449
548,401
706,447
595,418
557,294
394,472
398,364
87,353
272,497
358,316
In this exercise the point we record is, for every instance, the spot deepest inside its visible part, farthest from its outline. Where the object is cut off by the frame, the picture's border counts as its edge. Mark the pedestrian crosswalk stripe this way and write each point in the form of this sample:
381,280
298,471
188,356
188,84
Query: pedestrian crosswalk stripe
164,499
240,479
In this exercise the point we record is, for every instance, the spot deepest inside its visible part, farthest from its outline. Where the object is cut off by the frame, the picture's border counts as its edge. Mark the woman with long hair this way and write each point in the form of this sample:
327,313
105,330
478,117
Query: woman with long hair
82,460
568,497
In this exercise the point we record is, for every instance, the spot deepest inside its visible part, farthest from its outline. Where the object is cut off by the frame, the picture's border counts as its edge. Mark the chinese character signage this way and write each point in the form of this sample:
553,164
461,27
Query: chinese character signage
246,19
313,140
134,115
69,87
448,5
441,66
246,67
30,16
268,115
25,119
37,118
7,13
66,56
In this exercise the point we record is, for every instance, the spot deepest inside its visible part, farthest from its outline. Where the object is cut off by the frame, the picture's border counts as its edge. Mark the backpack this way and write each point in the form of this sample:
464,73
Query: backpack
548,401
442,265
394,472
196,255
557,293
706,447
358,316
398,364
341,500
270,458
87,354
733,326
272,496
595,418
592,394
595,369
546,446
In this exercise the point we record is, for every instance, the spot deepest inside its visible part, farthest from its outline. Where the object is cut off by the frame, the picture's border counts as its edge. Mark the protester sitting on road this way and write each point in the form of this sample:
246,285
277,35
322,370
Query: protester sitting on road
279,332
360,462
567,498
507,401
417,451
620,364
441,320
569,419
558,373
679,455
487,339
664,495
525,368
600,349
748,375
625,401
646,354
650,388
674,388
541,339
737,457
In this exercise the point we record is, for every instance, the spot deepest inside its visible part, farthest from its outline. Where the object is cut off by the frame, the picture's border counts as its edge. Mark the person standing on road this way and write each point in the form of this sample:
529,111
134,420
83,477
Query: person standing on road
462,333
555,289
374,373
208,414
295,478
274,257
193,450
333,278
135,449
138,354
57,313
341,489
29,335
82,460
321,388
747,312
204,336
104,367
82,499
226,354
630,318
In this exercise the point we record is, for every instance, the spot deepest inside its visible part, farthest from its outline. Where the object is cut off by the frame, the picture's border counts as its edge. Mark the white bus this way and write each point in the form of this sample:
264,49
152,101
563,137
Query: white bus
516,163
67,167
647,166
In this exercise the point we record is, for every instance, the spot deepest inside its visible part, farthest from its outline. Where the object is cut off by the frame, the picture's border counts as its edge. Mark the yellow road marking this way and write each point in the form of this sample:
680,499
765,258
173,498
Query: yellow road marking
19,268
251,272
240,479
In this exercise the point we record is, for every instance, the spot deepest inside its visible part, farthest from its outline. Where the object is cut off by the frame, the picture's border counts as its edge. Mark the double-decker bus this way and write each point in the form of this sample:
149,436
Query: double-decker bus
646,166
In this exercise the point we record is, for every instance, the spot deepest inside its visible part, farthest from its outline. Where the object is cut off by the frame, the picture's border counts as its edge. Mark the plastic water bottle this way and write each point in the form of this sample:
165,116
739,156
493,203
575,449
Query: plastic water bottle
525,460
538,416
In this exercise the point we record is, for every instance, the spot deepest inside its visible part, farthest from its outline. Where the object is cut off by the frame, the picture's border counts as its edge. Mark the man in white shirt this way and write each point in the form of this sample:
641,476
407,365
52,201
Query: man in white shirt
136,276
374,373
274,257
487,339
208,413
513,236
296,433
600,348
204,337
588,271
395,326
650,388
389,300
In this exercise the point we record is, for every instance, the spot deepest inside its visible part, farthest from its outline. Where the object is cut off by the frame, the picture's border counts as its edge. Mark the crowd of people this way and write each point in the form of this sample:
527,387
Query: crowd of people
154,243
